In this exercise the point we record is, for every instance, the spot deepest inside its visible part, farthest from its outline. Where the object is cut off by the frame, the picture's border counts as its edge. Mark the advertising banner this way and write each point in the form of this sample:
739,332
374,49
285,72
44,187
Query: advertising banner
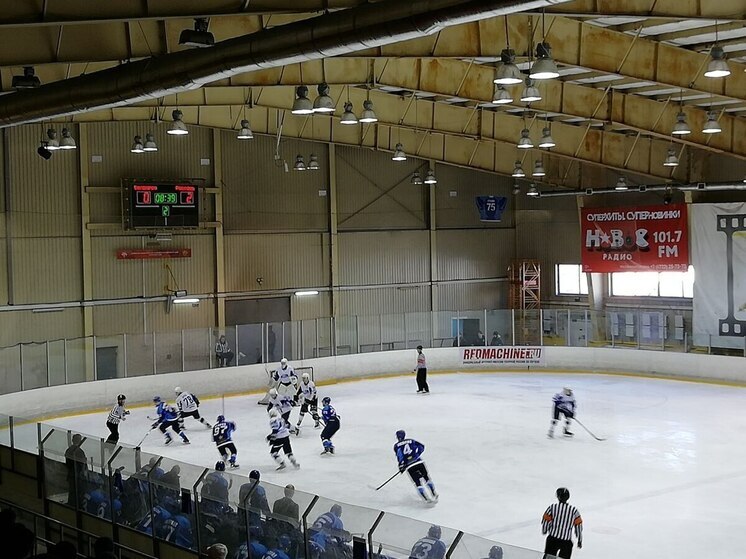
502,355
148,254
635,239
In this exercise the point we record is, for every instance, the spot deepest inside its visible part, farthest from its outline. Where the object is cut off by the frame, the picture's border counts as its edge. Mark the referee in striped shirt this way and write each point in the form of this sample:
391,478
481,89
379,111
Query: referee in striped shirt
558,522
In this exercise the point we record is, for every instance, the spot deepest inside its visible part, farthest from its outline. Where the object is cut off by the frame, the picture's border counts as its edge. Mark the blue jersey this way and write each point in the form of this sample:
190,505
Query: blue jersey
166,413
158,516
329,415
328,522
178,530
428,548
276,554
408,452
254,550
222,432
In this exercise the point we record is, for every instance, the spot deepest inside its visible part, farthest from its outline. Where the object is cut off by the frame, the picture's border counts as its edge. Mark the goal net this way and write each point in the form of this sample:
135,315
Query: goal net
271,383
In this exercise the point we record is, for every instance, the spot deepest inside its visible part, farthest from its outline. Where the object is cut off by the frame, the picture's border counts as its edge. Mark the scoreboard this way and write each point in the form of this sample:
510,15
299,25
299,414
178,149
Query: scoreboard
160,204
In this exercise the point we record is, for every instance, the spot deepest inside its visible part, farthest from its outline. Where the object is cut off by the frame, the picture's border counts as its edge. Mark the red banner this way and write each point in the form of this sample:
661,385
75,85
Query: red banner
147,254
635,239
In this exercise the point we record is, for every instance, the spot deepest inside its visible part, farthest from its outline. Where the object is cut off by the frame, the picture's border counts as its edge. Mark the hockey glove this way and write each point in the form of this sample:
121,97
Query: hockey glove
402,468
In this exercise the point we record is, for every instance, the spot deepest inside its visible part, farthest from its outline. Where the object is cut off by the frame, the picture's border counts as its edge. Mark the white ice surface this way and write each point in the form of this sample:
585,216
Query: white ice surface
670,481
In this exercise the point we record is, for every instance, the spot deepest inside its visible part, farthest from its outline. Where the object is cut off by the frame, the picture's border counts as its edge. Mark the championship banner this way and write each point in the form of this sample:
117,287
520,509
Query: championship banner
719,260
635,239
502,355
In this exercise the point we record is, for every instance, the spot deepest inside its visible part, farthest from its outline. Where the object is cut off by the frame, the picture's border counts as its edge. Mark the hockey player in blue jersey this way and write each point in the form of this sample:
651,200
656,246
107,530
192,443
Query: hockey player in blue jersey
429,547
408,454
279,439
282,549
331,526
178,530
331,425
156,517
564,404
222,435
254,550
167,416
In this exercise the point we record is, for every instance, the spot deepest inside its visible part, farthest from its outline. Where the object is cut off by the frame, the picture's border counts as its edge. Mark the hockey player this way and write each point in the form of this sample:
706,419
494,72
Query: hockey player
117,414
564,404
408,454
168,416
330,525
279,439
283,404
496,552
282,549
286,379
222,435
331,425
188,405
307,392
429,547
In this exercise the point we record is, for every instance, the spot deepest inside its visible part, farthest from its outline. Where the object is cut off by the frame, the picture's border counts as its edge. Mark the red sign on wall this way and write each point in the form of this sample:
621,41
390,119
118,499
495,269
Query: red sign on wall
147,254
635,239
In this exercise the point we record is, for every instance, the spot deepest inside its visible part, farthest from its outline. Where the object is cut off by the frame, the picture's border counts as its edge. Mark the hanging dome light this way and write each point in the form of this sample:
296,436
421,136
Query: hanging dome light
52,143
323,102
545,68
67,141
245,133
525,141
177,128
416,178
621,184
502,96
507,72
369,115
681,128
546,141
718,66
149,144
712,126
348,117
313,163
530,93
538,169
302,104
516,188
533,191
671,159
430,177
137,146
300,165
399,154
518,171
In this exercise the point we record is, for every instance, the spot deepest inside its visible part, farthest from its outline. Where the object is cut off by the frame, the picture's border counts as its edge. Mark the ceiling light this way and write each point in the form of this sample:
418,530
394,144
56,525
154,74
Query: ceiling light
313,163
718,66
300,165
348,117
530,93
323,102
182,300
681,128
621,184
149,144
27,81
525,141
546,141
416,178
43,151
507,72
671,159
430,177
245,133
532,191
544,68
369,115
538,169
399,154
306,293
302,104
518,170
177,128
137,145
199,37
67,141
502,96
516,188
52,143
712,126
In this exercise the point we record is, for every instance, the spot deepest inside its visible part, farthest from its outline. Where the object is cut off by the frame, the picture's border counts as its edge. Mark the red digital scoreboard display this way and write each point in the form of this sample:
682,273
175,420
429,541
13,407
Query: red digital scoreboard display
160,204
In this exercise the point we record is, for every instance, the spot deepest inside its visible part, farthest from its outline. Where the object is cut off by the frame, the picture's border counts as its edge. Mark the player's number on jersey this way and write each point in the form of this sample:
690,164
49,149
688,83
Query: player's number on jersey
422,550
219,431
189,402
407,449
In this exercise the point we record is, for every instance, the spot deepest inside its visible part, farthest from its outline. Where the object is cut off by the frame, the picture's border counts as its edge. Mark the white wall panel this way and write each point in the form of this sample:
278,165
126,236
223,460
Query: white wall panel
474,253
369,258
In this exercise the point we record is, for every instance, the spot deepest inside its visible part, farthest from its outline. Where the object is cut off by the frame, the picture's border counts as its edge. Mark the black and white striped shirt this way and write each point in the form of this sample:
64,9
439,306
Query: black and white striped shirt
560,519
116,414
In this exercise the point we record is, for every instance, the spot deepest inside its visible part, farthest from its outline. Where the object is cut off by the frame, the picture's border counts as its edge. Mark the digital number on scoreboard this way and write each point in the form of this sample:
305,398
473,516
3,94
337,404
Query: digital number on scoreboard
160,205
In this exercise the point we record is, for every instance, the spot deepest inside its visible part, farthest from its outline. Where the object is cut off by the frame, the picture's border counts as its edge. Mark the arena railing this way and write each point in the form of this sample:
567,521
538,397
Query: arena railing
188,507
56,362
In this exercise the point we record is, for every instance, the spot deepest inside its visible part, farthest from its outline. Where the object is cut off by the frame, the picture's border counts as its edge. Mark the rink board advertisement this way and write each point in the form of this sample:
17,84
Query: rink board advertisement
502,355
635,239
719,260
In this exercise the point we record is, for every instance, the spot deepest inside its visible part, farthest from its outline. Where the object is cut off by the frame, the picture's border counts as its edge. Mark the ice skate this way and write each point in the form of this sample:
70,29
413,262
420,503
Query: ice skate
282,466
325,451
234,465
317,425
568,433
294,462
550,434
185,441
169,440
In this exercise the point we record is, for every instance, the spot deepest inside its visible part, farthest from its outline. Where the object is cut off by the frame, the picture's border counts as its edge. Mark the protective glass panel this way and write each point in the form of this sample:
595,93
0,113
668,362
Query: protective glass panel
346,335
402,537
473,547
10,367
56,362
109,357
249,343
168,352
173,514
34,360
66,468
25,435
324,337
331,526
393,331
198,348
471,325
78,351
419,328
4,430
369,333
498,329
140,351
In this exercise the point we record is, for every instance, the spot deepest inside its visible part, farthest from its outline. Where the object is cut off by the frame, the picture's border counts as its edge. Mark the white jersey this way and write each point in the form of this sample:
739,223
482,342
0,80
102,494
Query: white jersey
564,402
281,402
308,390
279,428
187,402
286,375
117,414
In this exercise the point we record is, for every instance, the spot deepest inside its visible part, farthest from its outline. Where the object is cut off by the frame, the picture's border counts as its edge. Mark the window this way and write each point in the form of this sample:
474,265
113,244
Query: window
653,284
570,280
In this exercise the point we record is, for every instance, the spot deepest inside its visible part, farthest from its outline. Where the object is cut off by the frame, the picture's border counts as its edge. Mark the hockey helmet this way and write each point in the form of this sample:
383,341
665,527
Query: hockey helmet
157,399
273,413
496,552
567,391
284,362
563,494
305,377
121,398
221,418
177,390
220,466
434,532
401,435
283,542
254,474
273,393
326,400
336,510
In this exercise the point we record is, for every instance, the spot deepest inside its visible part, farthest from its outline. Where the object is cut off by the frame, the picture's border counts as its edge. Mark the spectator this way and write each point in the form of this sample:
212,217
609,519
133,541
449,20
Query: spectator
19,542
271,341
217,551
287,507
559,521
76,463
103,548
496,339
171,482
223,352
480,338
496,552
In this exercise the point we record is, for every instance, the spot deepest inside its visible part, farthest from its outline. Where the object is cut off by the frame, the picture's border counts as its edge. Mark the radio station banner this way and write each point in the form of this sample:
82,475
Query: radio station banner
502,355
635,239
148,254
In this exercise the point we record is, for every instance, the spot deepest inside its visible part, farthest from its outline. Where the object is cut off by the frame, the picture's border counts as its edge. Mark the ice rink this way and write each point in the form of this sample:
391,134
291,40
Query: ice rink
669,481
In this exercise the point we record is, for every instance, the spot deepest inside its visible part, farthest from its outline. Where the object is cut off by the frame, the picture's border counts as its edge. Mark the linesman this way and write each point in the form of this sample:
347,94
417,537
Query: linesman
558,523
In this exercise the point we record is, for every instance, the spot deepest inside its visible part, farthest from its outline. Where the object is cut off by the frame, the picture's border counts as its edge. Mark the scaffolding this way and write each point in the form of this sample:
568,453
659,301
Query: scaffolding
525,300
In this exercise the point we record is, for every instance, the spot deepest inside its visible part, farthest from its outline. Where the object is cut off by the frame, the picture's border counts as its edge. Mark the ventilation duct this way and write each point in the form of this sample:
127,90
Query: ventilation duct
333,34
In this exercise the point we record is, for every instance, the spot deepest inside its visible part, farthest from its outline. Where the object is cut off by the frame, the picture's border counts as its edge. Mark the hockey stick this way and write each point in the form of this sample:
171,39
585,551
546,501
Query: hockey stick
143,439
588,430
388,480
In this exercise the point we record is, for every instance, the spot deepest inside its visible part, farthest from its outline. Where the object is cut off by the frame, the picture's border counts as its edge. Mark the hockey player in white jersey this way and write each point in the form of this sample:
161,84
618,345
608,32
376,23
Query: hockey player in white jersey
188,406
309,401
564,404
286,379
279,439
283,404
